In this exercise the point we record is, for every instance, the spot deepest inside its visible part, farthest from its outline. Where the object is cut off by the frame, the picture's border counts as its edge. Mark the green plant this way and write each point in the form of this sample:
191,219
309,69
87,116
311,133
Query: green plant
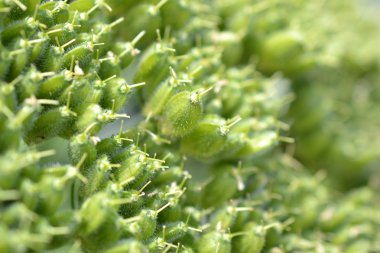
199,161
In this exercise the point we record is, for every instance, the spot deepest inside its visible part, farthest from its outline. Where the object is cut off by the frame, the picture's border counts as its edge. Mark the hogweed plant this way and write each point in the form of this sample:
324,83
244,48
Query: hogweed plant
203,95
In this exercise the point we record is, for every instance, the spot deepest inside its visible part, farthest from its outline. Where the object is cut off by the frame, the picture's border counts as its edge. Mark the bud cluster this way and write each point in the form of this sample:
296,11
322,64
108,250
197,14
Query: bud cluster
201,161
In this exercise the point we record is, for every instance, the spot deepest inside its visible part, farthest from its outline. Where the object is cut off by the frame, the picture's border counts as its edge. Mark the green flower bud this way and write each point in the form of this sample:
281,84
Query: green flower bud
83,145
15,163
174,231
253,241
173,174
10,241
155,104
51,59
128,246
216,191
45,196
45,16
63,227
171,214
282,51
5,63
85,94
207,139
145,225
83,5
116,92
232,47
24,8
18,63
60,34
98,176
38,48
159,244
10,137
125,53
81,53
143,17
152,68
95,116
183,10
99,226
53,86
334,216
113,145
50,124
133,201
181,114
214,241
60,12
13,30
131,169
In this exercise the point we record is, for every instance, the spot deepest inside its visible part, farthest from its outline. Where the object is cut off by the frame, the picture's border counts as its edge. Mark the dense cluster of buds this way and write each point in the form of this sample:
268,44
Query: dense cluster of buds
201,94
